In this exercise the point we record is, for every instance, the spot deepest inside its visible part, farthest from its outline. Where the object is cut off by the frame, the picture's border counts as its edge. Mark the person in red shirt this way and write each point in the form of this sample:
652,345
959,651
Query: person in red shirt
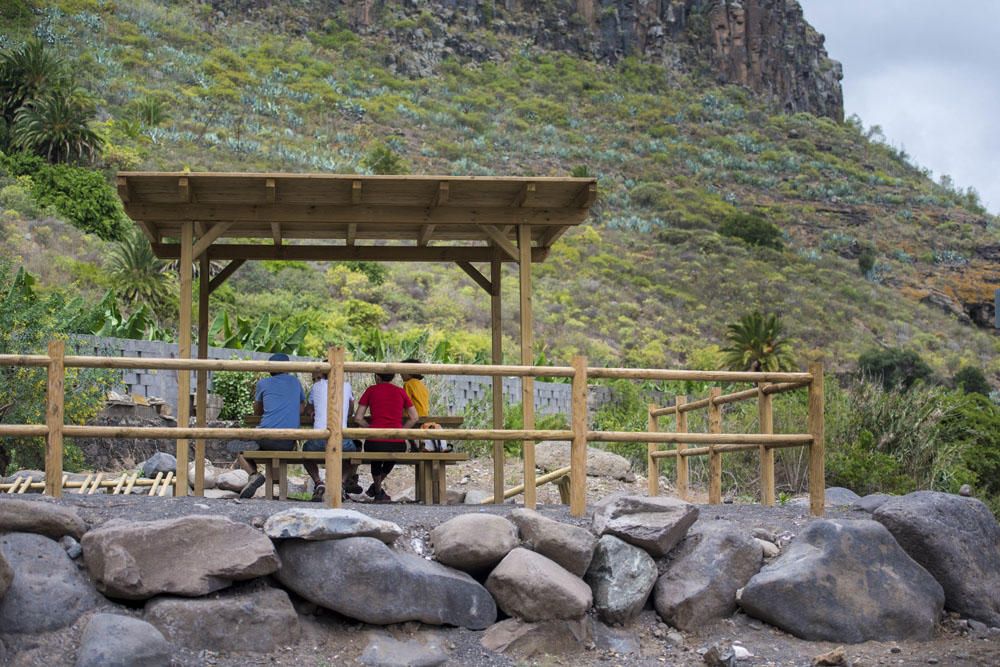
385,404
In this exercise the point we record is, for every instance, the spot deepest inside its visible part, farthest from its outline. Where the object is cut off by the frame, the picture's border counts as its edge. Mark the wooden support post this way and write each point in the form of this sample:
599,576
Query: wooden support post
682,461
765,415
201,391
817,472
54,419
578,449
334,422
527,359
496,331
184,352
652,465
714,456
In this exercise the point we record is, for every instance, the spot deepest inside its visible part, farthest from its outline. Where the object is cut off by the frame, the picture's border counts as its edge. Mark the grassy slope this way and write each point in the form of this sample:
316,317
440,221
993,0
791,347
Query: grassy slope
648,281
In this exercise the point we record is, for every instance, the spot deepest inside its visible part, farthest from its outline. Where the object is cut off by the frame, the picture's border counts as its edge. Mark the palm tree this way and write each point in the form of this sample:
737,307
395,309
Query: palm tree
756,344
57,127
139,276
28,73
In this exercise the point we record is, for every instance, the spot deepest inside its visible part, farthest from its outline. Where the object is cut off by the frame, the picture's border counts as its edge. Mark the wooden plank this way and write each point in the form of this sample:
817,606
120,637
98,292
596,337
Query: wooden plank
85,484
131,483
26,485
54,419
586,196
201,376
335,422
496,356
156,481
519,489
97,483
817,472
210,237
527,358
352,234
356,188
697,376
403,458
474,273
441,196
427,477
165,485
282,480
551,235
184,352
501,241
183,190
424,237
652,467
119,485
123,189
525,195
714,457
578,448
440,482
682,462
343,253
270,190
765,414
270,469
221,277
276,233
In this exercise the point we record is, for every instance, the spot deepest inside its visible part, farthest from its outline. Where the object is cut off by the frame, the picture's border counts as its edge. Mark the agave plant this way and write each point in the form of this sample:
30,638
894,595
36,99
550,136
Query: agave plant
756,344
57,127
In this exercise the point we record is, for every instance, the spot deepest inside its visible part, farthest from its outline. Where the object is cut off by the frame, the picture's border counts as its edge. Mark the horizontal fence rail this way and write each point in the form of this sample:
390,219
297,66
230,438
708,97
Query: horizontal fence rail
335,367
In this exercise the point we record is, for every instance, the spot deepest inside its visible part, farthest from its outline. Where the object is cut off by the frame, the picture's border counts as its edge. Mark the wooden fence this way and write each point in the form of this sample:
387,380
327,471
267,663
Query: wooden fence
335,366
765,442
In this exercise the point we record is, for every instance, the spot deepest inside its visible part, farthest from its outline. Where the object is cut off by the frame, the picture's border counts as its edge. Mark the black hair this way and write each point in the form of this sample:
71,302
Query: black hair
386,377
413,361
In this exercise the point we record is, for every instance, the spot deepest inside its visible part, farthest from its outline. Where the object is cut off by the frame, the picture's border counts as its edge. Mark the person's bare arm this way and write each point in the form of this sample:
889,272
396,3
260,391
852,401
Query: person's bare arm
411,417
359,416
258,406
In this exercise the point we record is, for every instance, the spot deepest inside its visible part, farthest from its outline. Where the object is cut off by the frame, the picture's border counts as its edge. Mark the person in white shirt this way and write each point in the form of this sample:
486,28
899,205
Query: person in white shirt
317,407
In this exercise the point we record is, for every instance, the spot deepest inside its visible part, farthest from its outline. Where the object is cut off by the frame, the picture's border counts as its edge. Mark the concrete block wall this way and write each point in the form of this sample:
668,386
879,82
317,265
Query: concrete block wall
459,391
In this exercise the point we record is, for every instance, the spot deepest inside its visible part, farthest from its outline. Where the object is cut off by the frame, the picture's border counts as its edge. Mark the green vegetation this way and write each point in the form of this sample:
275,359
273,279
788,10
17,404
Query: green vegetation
894,368
970,379
756,343
752,230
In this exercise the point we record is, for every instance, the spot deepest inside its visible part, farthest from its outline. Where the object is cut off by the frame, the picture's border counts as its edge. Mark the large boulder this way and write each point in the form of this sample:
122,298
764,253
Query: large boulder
871,502
958,541
621,577
474,542
48,591
232,480
190,555
44,517
846,581
533,588
570,546
113,640
6,575
362,578
653,524
160,462
328,524
528,640
211,474
835,496
551,456
242,619
716,559
384,650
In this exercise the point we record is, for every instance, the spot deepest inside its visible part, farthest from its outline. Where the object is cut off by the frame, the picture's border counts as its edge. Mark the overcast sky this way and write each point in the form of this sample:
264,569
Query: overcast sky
927,72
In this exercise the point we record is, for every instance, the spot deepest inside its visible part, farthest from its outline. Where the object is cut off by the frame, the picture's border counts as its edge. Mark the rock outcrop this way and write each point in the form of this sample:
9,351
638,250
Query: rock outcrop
113,640
621,577
44,517
570,546
307,523
474,543
652,524
531,587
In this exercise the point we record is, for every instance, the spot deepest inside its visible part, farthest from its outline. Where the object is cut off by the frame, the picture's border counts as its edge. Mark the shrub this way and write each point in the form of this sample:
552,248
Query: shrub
894,368
753,230
971,380
236,389
866,260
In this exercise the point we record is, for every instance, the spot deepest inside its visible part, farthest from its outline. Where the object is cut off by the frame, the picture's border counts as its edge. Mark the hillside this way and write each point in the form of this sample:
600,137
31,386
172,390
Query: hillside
688,112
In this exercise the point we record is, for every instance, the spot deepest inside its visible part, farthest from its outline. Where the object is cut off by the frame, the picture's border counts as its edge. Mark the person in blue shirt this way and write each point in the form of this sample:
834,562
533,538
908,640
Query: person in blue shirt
280,402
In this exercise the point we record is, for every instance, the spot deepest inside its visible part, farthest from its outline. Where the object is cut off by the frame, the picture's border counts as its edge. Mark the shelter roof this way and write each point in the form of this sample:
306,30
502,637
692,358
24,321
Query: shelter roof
326,216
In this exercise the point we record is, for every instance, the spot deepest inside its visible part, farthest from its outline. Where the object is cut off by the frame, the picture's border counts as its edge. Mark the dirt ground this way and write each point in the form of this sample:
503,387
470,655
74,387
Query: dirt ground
329,639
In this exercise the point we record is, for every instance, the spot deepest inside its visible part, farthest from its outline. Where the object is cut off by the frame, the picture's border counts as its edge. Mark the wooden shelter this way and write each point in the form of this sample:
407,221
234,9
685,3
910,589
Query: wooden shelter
205,217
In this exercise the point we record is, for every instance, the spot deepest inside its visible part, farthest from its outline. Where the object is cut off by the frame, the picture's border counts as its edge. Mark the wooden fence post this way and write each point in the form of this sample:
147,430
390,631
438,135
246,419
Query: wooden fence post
765,415
578,449
54,420
652,465
714,457
335,423
682,461
817,472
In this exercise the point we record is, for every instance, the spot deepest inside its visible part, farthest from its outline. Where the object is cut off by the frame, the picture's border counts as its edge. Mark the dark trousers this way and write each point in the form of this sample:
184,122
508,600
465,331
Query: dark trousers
382,468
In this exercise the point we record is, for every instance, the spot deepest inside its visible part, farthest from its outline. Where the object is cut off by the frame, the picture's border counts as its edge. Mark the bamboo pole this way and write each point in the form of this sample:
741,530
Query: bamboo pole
212,433
765,414
527,345
165,485
543,479
159,363
458,434
723,448
54,419
201,390
96,484
714,457
156,481
496,356
25,486
817,474
131,482
184,352
683,469
747,394
652,467
119,485
28,360
85,484
578,448
699,376
23,430
333,465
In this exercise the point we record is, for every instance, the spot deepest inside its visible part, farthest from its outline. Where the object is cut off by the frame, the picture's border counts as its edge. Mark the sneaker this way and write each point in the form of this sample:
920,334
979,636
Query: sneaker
256,481
318,493
370,491
352,486
382,497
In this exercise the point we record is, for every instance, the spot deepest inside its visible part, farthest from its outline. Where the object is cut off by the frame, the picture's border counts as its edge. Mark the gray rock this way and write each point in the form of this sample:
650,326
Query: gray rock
764,534
616,640
836,496
112,640
72,547
621,577
219,494
528,640
653,524
35,475
245,618
385,651
159,462
48,591
770,549
475,497
551,456
474,542
965,491
360,577
570,546
6,574
44,517
211,474
307,523
190,555
958,541
846,581
872,502
232,480
533,588
700,584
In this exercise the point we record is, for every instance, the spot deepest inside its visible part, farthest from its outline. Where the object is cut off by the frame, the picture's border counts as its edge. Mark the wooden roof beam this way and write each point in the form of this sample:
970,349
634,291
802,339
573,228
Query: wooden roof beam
123,189
500,240
551,235
441,196
183,190
276,233
356,193
474,273
586,196
352,234
525,196
209,238
424,237
270,190
339,253
216,282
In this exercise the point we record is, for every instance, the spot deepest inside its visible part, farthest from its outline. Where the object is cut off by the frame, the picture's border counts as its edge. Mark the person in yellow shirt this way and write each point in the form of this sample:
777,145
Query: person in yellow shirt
415,388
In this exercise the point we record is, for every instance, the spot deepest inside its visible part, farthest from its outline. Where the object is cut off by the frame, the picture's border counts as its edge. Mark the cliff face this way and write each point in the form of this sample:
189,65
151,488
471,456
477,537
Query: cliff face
764,45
